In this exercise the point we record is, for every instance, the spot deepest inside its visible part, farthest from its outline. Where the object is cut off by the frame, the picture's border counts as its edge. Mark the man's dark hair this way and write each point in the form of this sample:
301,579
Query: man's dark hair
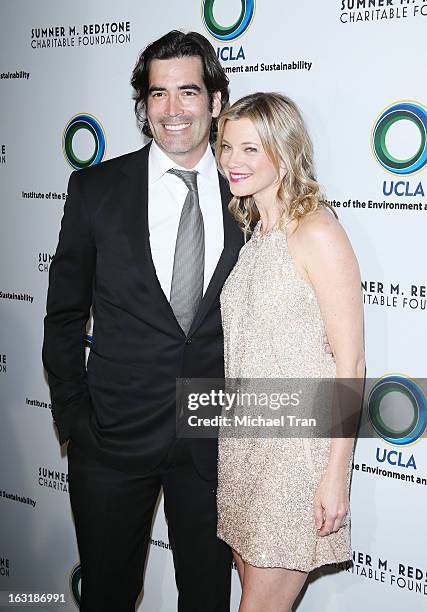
177,44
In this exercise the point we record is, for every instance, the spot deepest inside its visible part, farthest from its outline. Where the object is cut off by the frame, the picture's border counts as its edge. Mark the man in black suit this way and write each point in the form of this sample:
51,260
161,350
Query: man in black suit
118,254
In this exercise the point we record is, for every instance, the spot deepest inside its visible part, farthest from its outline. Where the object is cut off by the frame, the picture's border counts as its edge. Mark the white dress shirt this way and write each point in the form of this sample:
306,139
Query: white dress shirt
166,197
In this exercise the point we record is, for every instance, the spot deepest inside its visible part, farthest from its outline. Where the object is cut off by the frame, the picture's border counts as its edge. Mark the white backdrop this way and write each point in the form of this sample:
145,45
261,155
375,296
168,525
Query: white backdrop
344,66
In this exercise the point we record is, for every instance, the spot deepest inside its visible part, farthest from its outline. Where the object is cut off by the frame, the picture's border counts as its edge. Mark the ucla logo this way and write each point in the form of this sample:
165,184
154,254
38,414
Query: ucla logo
415,404
229,32
90,124
75,584
410,111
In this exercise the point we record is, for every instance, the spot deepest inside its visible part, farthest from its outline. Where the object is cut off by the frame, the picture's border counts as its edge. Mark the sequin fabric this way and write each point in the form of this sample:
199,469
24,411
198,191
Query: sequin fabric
273,328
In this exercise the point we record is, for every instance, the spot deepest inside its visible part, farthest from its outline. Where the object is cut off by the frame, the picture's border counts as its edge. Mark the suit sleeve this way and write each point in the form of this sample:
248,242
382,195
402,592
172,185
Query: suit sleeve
68,309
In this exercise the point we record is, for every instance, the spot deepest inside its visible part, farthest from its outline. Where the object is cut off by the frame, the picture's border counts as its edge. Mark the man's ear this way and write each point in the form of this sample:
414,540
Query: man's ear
216,104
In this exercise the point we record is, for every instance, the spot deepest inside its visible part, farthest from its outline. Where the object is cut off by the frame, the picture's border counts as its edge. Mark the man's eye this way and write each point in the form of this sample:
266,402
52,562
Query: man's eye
157,94
189,93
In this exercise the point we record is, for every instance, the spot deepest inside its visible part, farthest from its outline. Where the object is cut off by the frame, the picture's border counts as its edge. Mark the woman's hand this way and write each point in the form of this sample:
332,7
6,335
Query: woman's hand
331,504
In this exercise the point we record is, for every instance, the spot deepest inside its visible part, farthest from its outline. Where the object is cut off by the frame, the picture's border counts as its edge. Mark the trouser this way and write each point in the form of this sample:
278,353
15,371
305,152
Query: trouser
113,513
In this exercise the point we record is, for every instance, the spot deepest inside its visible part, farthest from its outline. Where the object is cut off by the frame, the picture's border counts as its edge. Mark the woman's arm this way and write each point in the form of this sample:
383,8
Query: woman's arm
332,269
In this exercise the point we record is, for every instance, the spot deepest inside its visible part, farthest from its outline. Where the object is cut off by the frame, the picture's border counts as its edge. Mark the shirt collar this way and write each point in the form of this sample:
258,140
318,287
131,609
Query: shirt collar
160,163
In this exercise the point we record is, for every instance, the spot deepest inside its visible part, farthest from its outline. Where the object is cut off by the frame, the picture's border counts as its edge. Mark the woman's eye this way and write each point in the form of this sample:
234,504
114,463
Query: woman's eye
251,150
224,147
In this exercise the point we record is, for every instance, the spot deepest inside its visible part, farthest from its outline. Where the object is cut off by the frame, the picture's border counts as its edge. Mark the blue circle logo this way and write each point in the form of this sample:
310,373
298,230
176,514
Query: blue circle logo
401,111
90,124
75,584
415,398
225,33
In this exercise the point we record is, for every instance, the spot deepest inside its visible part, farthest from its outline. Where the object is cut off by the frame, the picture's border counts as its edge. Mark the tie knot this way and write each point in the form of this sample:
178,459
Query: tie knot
189,177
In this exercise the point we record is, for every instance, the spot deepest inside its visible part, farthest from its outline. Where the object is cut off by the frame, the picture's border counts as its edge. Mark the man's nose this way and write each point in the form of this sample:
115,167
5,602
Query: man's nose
174,106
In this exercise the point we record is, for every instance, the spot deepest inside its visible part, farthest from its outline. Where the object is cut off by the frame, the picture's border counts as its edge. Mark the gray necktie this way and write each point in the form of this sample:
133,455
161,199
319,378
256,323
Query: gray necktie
189,260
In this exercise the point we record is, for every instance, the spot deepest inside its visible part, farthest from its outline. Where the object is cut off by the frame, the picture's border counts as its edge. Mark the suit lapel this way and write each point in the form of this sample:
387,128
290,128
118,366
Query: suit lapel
233,241
134,194
135,190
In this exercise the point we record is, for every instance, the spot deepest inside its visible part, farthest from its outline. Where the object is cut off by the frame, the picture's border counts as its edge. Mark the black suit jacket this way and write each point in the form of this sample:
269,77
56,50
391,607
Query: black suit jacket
122,409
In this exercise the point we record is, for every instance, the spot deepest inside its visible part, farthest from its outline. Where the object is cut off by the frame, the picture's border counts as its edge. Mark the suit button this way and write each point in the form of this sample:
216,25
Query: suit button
188,341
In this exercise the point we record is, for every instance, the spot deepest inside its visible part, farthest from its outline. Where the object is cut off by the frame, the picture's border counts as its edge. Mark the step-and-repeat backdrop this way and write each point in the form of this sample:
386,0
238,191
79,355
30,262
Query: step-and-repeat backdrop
357,70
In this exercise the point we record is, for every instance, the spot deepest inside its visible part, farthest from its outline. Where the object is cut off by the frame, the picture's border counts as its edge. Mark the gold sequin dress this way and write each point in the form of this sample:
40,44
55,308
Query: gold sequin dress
273,328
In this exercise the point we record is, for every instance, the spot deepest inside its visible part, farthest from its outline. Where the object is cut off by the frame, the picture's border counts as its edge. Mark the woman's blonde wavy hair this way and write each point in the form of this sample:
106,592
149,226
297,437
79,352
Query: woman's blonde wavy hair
286,142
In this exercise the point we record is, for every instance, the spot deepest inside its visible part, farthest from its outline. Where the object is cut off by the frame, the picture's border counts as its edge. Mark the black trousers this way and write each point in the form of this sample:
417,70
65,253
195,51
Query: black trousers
113,513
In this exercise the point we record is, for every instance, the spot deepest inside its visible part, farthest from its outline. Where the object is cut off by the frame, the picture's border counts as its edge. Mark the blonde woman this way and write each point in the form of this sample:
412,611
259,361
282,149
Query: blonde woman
283,503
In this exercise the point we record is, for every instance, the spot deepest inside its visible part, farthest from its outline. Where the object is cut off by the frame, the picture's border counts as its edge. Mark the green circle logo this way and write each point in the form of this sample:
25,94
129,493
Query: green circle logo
75,584
230,32
402,111
90,124
400,436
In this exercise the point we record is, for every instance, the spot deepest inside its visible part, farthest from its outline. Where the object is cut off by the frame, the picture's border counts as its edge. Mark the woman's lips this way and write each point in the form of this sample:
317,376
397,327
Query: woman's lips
238,177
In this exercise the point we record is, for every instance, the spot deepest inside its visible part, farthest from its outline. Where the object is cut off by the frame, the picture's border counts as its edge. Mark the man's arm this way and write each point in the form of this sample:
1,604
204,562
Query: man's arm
68,308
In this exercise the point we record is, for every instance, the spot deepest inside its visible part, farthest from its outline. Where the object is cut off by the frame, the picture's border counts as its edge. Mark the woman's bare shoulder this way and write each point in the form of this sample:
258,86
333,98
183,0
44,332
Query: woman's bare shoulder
319,226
